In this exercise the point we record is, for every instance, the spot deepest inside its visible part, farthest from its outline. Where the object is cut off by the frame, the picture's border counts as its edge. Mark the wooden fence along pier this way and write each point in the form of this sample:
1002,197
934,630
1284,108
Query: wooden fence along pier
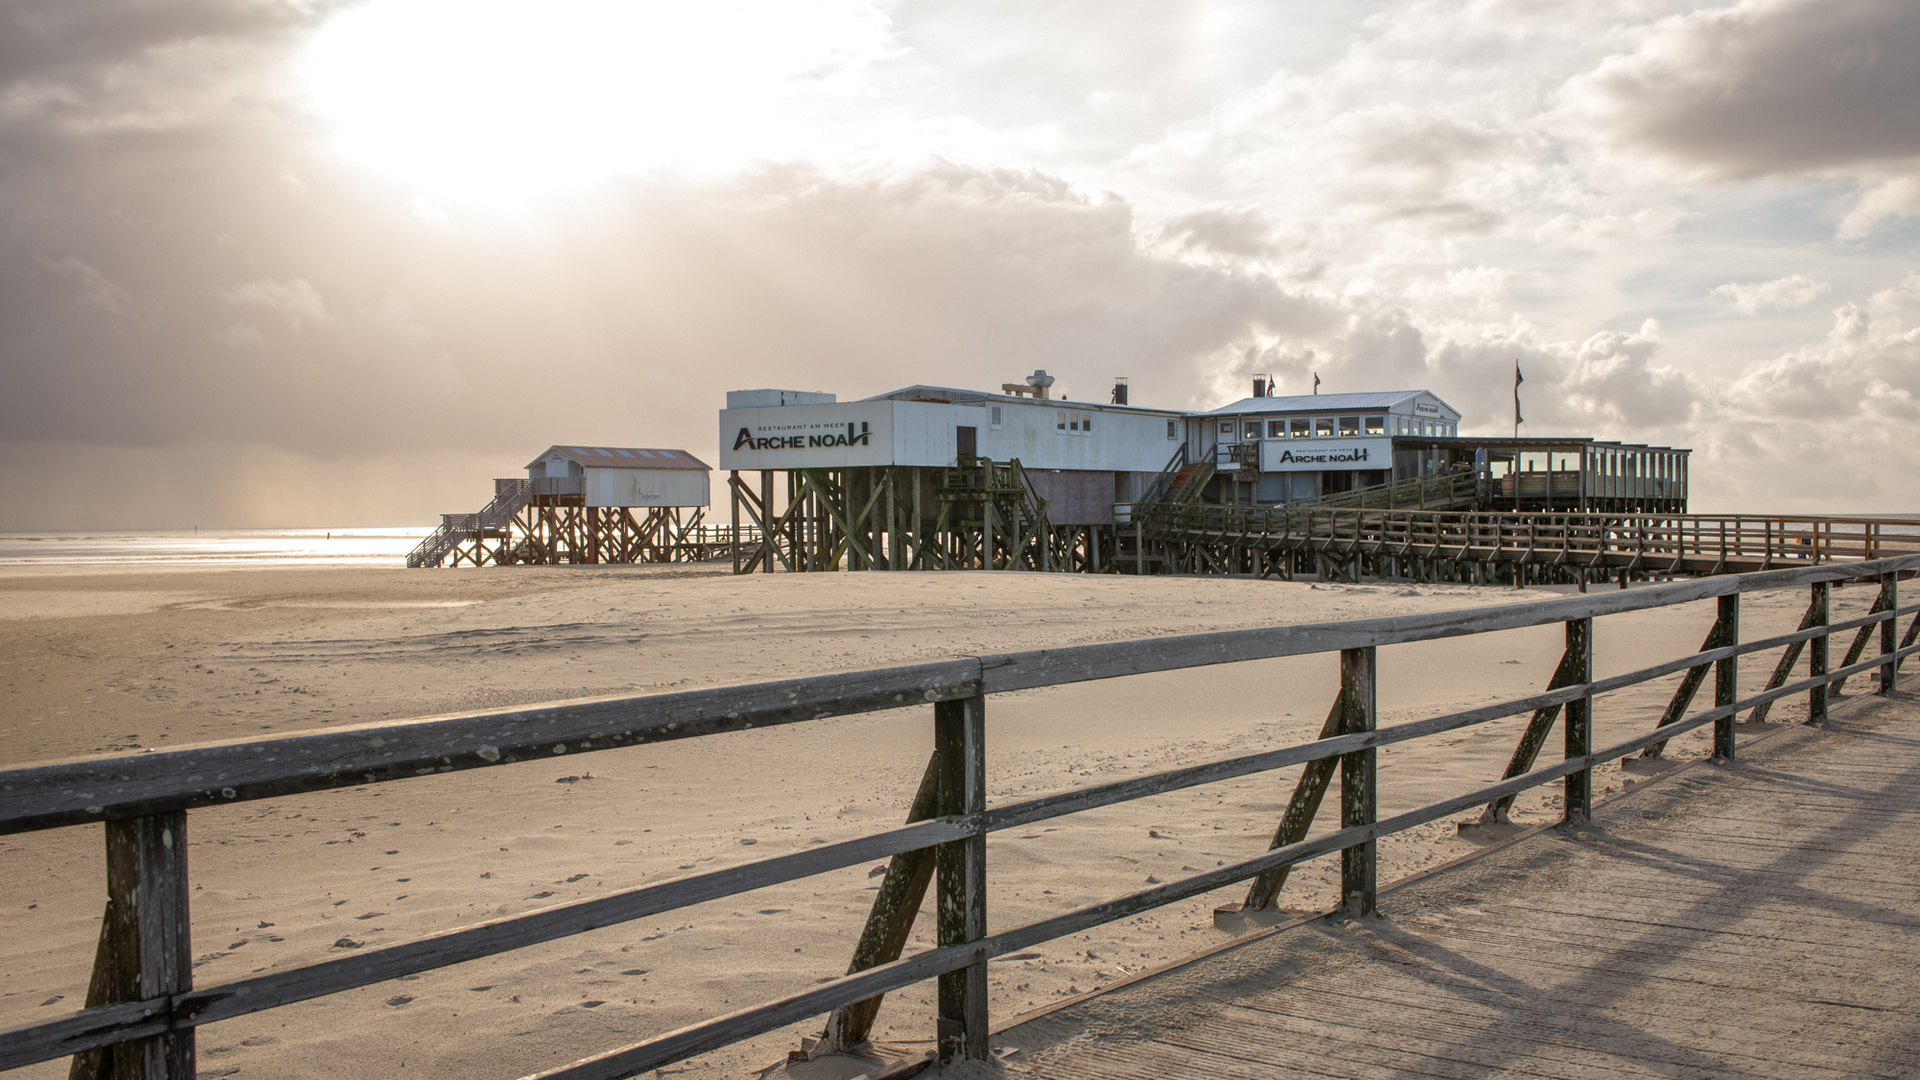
142,1008
1483,547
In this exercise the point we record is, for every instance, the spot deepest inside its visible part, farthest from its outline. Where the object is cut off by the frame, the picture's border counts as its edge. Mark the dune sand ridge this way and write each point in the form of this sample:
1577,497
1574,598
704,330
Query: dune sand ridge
116,662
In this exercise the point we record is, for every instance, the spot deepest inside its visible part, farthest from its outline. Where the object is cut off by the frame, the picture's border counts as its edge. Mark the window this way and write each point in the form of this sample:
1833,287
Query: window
1226,428
1349,426
1252,430
1086,424
1173,429
1059,421
1073,423
1323,427
1276,429
1376,425
1300,429
994,416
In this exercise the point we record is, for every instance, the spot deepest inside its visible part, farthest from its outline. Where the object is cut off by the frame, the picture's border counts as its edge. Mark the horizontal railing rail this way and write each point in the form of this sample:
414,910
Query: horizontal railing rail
148,796
1684,543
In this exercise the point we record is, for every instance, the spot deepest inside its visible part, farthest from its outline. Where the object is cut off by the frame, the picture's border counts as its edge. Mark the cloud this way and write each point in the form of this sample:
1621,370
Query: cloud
90,287
1770,86
1245,232
1895,198
1412,195
294,301
48,39
1866,370
1781,294
1828,426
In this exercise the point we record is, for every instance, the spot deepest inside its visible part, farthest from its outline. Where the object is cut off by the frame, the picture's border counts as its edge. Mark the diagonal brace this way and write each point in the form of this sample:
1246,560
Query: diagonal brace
1539,726
888,924
1717,637
1298,818
1882,602
1785,667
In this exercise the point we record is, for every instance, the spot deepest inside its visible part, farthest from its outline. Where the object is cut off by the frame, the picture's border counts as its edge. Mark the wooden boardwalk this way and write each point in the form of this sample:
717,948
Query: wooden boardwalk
1760,921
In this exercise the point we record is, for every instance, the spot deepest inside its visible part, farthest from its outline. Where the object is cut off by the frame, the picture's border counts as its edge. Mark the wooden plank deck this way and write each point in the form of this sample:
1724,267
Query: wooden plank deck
1761,921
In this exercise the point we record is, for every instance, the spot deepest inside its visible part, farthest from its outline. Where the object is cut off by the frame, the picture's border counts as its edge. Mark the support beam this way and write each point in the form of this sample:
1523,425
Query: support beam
1726,678
1359,782
1579,725
1889,671
1817,651
146,948
961,897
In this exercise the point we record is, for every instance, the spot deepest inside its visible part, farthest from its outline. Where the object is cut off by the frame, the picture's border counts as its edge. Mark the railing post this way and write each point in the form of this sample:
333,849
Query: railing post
1889,630
1726,677
1579,721
1817,660
146,948
959,739
1359,864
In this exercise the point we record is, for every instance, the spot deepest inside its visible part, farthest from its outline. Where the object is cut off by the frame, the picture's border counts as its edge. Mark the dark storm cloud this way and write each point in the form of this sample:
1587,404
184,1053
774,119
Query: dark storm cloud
42,40
1772,86
232,304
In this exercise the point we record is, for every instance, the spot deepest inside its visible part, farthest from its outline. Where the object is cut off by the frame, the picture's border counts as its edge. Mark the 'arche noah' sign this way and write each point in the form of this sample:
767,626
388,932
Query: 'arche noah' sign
831,435
1325,455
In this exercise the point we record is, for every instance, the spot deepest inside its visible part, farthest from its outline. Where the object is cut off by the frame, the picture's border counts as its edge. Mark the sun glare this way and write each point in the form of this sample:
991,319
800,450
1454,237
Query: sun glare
497,99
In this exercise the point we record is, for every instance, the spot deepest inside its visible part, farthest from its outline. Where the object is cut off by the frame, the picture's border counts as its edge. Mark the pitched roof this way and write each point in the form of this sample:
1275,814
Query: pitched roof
623,457
1383,399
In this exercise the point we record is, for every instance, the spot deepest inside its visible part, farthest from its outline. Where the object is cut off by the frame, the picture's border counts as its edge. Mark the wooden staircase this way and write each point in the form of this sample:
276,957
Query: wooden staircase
510,496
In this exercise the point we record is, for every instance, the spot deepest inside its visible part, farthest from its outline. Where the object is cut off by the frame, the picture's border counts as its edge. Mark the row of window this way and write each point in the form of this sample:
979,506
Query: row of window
1073,423
1066,423
1338,427
1317,427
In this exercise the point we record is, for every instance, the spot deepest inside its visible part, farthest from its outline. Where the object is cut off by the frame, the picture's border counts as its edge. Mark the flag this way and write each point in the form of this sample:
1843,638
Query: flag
1517,380
1316,382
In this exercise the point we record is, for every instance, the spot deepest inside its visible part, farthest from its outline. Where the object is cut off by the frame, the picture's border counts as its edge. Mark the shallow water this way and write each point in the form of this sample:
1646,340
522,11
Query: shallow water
212,547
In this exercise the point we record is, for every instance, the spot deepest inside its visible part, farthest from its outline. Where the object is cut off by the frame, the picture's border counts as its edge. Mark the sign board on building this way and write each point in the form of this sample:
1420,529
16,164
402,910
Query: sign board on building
807,436
1325,455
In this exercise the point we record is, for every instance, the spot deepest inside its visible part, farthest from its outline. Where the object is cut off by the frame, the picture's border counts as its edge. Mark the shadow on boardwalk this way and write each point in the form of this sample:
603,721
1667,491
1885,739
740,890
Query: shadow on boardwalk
1758,921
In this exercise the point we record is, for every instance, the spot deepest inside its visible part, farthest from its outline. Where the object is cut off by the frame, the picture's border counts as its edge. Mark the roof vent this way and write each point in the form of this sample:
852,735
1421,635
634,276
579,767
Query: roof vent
1035,385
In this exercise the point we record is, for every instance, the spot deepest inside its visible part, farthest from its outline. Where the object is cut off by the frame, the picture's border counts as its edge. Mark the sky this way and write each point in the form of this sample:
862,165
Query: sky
310,263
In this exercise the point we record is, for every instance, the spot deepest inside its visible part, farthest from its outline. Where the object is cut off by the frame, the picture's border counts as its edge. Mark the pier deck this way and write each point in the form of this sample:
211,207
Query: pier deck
1755,921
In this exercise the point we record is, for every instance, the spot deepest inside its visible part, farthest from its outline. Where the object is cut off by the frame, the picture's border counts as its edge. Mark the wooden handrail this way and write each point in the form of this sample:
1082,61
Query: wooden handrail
154,787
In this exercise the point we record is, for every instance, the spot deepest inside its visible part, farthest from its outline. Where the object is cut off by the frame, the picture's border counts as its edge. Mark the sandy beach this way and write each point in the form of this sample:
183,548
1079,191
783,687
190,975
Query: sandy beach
104,661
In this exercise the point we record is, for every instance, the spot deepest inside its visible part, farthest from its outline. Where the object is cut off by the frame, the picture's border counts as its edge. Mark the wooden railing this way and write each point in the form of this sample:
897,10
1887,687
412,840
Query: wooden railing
143,1008
1442,491
510,495
1678,543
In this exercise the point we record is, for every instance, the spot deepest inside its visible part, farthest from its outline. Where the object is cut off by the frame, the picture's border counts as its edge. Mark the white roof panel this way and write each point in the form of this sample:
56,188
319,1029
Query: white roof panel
604,457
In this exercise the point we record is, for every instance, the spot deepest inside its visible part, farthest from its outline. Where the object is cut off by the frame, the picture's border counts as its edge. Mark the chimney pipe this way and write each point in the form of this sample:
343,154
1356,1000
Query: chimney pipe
1119,390
1259,387
1040,381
